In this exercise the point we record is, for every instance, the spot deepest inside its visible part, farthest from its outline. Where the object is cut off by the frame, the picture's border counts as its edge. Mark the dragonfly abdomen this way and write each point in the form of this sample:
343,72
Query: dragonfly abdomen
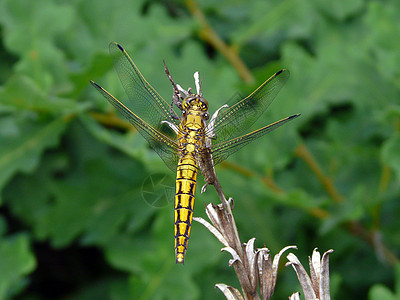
184,203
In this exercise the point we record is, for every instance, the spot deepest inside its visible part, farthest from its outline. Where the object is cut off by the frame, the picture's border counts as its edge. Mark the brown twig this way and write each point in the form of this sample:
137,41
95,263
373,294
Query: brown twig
270,183
267,180
327,182
385,178
211,37
353,227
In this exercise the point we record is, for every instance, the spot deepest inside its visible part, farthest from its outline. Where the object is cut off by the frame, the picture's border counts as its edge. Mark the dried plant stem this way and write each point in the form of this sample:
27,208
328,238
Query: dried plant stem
255,269
242,268
228,211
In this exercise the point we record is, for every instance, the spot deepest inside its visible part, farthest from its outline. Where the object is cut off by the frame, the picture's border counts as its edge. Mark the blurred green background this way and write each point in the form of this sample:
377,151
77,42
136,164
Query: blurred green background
73,222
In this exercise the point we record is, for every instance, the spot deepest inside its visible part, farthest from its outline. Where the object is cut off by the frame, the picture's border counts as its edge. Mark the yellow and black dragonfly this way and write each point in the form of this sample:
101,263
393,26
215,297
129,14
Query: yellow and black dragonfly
192,141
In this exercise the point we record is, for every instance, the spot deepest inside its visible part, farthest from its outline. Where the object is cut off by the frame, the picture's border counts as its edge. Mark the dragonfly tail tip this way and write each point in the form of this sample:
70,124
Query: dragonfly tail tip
180,259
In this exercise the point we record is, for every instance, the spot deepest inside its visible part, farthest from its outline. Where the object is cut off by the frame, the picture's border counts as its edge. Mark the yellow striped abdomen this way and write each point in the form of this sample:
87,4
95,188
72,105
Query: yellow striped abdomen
184,203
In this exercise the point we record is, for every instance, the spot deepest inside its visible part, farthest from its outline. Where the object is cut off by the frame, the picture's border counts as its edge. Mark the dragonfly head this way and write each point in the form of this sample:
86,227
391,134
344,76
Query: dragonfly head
196,104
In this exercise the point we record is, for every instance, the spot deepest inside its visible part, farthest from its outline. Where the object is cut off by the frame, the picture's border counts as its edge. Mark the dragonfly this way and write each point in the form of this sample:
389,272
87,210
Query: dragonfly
192,141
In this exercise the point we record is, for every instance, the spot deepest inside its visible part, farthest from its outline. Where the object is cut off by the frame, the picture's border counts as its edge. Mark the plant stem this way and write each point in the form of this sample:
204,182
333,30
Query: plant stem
327,182
210,36
242,268
353,227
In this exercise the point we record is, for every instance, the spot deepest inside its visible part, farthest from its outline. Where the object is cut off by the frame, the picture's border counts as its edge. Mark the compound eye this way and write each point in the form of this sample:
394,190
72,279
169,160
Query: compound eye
183,112
206,116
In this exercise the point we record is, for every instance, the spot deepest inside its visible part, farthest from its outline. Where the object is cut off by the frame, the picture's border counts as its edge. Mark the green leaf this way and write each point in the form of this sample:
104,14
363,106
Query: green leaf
23,141
153,264
390,154
100,64
103,22
32,30
379,291
131,143
16,261
22,93
340,9
381,23
270,22
3,226
95,203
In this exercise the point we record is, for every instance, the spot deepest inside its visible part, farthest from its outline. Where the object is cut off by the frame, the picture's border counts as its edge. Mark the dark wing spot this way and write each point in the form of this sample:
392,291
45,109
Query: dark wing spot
120,47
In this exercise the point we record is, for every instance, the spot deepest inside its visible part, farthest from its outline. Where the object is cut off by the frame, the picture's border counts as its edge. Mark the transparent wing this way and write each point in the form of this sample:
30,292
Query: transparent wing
222,150
233,121
162,144
143,99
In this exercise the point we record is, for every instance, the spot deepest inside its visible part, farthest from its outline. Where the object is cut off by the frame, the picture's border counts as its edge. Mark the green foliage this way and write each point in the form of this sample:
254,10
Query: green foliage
71,173
16,261
379,291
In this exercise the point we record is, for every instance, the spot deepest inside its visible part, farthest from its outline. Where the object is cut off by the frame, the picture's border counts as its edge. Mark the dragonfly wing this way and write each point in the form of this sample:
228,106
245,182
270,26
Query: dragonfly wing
162,144
233,121
143,98
222,150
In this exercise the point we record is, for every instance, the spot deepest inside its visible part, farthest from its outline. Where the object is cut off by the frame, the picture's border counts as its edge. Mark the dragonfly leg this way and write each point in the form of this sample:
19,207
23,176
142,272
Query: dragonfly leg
172,125
176,97
204,187
210,126
231,202
172,112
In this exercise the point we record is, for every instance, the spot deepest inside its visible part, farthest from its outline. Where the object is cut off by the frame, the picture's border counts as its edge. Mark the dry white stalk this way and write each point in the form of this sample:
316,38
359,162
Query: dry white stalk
230,292
315,286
